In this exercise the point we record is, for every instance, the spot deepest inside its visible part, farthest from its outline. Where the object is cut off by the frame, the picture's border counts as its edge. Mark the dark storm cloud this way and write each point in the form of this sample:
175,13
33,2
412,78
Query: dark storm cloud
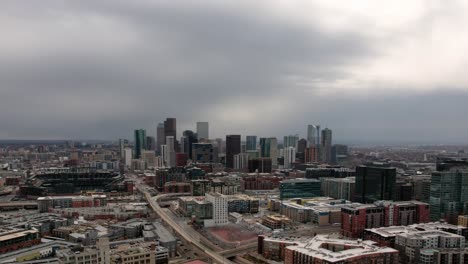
98,69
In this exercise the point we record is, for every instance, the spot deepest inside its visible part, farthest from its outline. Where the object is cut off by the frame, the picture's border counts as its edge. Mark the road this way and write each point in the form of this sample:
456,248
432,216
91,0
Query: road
153,202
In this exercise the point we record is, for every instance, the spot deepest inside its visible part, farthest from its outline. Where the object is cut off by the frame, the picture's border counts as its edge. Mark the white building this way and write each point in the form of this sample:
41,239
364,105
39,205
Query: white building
170,152
220,209
128,157
241,161
202,130
289,157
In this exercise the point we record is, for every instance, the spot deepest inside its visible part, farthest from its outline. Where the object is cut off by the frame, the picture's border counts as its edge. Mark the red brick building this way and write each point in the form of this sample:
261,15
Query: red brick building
357,217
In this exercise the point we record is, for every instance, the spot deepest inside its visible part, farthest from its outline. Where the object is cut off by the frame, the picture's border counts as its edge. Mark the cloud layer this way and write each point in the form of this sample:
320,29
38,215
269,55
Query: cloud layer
388,71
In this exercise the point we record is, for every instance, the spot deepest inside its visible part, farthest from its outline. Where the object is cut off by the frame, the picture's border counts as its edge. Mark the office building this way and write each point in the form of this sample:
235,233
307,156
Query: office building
160,137
289,157
140,142
170,151
326,146
339,153
170,128
150,143
299,188
269,149
189,138
220,209
149,158
128,157
449,190
260,165
241,161
290,141
313,135
251,143
374,184
122,149
204,153
301,145
203,130
338,188
233,147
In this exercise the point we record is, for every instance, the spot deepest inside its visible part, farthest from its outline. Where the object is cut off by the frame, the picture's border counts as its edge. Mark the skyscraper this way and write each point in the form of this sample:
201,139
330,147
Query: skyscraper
140,142
203,130
233,147
189,139
313,135
290,141
251,143
339,153
269,149
170,151
160,137
301,145
150,143
449,190
289,157
170,128
326,145
374,184
121,149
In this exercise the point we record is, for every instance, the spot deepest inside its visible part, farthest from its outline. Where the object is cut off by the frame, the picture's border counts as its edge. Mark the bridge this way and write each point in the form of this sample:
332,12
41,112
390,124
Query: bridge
153,202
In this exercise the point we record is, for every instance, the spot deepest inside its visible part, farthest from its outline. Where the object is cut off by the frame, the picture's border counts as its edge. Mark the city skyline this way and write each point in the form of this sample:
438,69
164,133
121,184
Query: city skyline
373,71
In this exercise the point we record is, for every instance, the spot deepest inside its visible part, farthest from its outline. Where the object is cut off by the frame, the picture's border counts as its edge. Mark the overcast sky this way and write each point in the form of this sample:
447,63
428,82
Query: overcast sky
388,71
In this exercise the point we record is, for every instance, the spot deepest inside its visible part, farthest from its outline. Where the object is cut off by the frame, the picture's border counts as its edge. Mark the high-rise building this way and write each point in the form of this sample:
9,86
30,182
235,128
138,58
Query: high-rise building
164,152
160,137
204,153
149,157
339,153
289,157
121,149
374,184
220,209
203,130
251,143
189,139
241,161
311,154
301,145
170,152
170,128
299,188
290,141
128,157
140,142
150,143
326,145
269,149
449,190
260,165
233,147
313,135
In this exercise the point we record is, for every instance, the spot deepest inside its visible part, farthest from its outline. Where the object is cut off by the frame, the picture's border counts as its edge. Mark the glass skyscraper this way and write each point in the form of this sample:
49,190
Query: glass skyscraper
251,143
140,142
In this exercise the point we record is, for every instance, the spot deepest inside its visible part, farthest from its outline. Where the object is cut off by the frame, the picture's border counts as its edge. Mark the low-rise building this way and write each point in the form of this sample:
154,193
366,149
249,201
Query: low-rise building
324,249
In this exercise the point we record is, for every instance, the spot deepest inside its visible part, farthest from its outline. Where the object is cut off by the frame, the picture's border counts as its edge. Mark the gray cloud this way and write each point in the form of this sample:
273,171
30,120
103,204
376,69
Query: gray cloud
98,69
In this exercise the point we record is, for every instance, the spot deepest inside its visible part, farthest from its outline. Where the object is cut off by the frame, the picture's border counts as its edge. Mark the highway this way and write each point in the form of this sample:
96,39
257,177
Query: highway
153,202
